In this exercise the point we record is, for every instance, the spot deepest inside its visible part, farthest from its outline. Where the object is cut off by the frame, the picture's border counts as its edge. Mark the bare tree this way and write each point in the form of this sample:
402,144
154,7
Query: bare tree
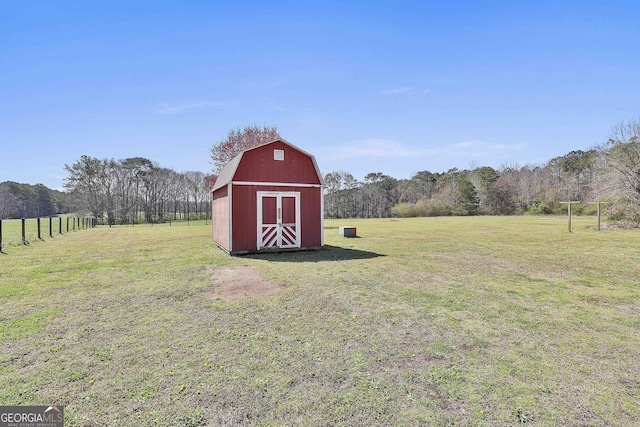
93,182
195,186
623,170
383,194
122,189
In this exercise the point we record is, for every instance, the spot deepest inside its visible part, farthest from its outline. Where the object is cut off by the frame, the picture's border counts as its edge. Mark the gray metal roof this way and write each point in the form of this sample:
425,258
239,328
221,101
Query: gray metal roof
227,172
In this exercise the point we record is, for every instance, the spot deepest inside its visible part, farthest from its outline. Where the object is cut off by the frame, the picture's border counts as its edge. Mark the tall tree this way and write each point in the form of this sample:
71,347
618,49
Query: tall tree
132,170
44,203
85,181
382,193
15,200
573,175
483,179
341,190
623,159
196,188
238,140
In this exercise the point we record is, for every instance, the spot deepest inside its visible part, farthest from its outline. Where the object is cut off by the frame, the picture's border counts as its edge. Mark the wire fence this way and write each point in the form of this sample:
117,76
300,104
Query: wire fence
16,232
177,218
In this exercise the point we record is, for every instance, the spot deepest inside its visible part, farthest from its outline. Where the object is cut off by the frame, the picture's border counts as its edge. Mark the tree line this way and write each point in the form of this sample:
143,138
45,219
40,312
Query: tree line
136,190
139,190
29,201
610,172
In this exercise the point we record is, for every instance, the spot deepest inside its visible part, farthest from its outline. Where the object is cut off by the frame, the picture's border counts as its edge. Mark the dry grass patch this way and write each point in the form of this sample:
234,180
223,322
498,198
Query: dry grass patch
236,283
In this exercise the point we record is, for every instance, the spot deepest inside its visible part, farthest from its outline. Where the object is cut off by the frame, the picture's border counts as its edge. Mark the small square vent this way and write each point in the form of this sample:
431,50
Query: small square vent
278,154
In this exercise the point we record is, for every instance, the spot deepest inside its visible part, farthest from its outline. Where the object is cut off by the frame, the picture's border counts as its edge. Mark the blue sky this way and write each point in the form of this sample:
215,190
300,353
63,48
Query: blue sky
394,87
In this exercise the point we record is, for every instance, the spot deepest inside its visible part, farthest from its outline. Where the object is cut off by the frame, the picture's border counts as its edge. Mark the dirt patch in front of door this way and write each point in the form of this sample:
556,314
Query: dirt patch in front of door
233,283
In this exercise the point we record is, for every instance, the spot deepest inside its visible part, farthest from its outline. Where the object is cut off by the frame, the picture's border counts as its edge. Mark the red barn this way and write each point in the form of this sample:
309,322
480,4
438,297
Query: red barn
269,198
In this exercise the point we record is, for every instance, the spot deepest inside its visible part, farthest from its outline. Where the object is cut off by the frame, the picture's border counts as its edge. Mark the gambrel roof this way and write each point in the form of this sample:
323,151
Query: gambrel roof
228,172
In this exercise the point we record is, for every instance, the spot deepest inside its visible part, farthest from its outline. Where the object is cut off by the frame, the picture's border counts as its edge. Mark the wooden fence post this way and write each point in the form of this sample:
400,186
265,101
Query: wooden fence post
51,227
39,229
598,203
569,211
24,232
60,224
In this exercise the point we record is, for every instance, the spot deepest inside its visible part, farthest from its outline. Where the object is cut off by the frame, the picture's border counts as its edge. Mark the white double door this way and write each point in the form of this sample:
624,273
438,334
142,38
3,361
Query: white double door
278,219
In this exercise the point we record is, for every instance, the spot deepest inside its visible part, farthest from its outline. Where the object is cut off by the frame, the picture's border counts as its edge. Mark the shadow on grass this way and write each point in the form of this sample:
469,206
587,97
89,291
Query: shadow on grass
328,253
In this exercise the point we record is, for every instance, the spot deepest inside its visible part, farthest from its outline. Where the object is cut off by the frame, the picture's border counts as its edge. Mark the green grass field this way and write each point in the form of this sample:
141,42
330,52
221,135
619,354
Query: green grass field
12,229
476,321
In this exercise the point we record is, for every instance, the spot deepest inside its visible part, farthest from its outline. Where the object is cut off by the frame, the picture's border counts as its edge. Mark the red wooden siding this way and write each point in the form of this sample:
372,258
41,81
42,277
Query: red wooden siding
258,165
288,210
244,208
235,200
269,214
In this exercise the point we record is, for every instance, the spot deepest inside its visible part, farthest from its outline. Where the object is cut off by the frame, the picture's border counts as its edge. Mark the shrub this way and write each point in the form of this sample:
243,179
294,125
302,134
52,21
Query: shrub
421,209
541,209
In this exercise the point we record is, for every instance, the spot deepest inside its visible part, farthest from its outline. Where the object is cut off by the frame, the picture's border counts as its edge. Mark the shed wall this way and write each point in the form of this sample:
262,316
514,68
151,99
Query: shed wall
258,165
244,206
220,217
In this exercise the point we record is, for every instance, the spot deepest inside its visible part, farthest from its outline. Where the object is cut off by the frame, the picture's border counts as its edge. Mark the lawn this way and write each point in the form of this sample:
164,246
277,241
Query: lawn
49,228
477,321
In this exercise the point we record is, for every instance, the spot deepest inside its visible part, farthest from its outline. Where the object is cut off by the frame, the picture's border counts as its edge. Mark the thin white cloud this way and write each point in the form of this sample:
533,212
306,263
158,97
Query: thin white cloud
177,108
401,160
371,148
482,149
385,148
